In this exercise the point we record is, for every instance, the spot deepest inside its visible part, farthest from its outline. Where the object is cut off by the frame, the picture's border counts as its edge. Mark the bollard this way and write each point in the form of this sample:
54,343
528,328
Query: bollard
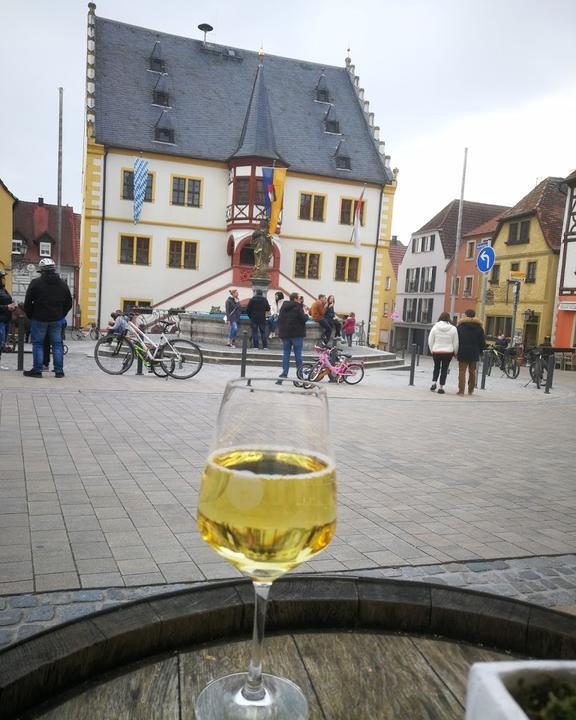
550,374
413,363
21,333
139,365
244,353
485,360
418,357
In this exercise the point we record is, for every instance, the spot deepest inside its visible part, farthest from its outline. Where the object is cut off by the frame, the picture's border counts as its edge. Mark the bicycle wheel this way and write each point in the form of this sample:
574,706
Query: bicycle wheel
64,349
516,368
114,355
510,368
94,334
354,373
181,359
77,334
158,368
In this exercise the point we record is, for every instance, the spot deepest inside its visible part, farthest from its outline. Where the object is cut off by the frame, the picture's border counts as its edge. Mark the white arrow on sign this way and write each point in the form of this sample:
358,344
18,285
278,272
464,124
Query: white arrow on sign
485,259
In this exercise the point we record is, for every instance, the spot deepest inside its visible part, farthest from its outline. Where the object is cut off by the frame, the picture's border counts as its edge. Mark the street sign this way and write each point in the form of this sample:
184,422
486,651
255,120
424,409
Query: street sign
485,259
482,244
517,275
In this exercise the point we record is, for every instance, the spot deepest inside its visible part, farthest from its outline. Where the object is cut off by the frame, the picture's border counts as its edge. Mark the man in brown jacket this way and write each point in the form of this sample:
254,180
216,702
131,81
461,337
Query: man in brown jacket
317,310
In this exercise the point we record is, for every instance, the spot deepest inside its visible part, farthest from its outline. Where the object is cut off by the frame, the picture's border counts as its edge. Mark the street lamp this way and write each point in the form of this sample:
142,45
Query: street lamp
528,315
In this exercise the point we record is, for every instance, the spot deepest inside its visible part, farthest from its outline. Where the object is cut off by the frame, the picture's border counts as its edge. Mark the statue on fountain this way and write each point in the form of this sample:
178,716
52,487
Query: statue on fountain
262,245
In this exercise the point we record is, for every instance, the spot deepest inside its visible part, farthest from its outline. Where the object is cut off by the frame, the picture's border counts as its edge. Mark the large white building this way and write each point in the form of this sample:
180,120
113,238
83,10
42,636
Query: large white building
207,119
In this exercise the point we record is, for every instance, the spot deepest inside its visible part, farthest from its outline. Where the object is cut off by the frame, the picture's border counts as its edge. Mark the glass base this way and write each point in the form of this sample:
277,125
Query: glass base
222,699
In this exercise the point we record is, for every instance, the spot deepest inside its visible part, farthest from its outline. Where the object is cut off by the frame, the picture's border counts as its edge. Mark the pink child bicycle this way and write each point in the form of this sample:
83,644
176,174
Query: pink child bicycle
334,363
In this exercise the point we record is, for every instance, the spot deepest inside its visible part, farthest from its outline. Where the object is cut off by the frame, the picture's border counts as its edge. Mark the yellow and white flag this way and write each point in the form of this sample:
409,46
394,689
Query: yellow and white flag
279,180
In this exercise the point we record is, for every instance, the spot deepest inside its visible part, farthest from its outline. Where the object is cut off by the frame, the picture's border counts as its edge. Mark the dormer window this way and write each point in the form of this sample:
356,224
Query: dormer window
343,162
156,60
164,135
332,126
322,95
161,98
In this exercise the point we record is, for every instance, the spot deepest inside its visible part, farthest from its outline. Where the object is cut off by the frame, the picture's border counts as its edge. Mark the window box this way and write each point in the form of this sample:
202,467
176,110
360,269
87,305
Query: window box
490,684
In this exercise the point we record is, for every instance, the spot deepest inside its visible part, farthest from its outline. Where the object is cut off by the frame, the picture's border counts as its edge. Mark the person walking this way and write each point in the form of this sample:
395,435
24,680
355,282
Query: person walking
256,310
47,302
471,344
349,328
292,330
443,344
6,308
233,310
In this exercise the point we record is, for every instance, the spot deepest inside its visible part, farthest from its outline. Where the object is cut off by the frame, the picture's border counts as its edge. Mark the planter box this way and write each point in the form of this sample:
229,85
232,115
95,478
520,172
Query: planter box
487,696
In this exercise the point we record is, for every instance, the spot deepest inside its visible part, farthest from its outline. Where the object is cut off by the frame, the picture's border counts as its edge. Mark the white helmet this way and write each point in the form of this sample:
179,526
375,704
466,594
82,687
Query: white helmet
46,264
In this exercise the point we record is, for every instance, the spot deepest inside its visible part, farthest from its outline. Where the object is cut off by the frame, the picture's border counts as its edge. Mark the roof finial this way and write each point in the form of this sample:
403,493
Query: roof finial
261,54
348,58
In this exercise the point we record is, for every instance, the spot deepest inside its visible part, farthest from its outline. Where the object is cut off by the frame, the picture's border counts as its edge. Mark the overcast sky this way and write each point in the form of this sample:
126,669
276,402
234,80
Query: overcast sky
497,76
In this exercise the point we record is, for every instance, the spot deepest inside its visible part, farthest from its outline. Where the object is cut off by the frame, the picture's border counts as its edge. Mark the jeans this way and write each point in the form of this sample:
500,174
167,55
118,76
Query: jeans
464,365
296,344
326,325
259,330
349,337
3,334
39,330
441,363
233,330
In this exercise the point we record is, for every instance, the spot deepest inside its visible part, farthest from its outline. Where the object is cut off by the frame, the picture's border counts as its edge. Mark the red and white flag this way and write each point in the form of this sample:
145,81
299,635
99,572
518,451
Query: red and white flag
357,219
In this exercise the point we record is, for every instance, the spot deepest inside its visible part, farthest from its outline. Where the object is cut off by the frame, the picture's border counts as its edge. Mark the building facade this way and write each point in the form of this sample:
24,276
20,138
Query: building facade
462,274
527,244
393,254
7,203
422,272
564,330
34,237
206,144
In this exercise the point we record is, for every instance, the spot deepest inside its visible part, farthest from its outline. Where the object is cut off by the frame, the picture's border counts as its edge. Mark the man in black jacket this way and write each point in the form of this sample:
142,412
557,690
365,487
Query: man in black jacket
471,345
256,310
6,307
47,302
292,329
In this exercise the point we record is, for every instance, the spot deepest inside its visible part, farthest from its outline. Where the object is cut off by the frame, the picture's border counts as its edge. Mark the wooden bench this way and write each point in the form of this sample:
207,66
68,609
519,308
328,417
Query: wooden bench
359,648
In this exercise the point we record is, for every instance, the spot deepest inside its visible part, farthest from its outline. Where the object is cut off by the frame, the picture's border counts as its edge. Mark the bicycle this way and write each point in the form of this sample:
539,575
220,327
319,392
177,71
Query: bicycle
537,366
169,324
505,360
80,334
332,363
178,358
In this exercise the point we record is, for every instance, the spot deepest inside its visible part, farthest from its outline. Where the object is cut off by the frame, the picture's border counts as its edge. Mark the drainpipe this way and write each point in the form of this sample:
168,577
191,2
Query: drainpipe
374,265
102,240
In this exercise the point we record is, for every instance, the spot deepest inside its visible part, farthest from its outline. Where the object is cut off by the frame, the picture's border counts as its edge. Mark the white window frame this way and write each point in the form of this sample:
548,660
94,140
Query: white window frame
42,247
388,284
468,293
17,246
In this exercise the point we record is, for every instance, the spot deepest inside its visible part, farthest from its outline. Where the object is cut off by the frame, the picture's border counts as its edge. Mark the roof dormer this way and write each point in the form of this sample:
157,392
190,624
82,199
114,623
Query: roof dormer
164,129
161,92
157,63
322,91
331,122
341,157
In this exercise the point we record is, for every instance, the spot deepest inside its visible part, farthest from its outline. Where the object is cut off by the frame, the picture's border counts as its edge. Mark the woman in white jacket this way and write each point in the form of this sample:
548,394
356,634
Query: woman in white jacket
443,344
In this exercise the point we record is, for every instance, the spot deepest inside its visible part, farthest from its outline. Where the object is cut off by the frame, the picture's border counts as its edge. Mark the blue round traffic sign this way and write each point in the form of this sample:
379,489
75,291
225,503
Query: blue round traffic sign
485,259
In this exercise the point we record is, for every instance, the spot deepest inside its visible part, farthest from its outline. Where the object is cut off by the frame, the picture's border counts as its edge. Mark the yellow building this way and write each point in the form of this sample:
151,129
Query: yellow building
7,201
526,244
385,274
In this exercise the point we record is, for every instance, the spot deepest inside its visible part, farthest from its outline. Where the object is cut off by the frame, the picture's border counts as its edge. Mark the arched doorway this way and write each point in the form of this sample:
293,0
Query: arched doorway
243,264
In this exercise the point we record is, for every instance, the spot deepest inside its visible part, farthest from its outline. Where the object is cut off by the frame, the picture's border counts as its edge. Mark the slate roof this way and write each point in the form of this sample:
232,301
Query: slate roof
32,221
257,139
547,201
446,221
212,86
396,252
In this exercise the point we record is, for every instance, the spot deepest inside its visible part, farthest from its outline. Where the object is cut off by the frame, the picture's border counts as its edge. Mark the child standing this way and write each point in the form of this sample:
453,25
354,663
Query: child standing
349,327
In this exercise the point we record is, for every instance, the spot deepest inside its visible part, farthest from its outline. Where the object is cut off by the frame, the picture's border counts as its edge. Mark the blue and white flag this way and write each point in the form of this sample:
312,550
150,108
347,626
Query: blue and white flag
140,182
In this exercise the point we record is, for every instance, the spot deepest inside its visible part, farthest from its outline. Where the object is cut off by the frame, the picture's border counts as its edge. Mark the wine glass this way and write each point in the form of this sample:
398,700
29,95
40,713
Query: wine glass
267,504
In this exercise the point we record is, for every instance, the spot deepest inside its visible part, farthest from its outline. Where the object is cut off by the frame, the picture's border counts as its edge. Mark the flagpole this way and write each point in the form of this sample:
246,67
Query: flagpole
458,236
59,209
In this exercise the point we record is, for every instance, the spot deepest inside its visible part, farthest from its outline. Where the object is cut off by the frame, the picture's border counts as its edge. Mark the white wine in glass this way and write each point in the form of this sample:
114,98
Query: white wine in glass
267,504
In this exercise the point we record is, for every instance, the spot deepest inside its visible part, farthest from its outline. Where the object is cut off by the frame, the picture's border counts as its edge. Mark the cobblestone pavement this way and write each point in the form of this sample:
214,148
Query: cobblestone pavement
99,477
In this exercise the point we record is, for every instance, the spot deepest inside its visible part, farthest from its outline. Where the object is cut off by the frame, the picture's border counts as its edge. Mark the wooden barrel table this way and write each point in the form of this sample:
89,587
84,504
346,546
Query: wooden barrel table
359,648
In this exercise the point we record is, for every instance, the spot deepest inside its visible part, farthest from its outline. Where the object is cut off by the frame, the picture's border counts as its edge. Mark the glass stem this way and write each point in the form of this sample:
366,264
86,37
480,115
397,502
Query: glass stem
253,689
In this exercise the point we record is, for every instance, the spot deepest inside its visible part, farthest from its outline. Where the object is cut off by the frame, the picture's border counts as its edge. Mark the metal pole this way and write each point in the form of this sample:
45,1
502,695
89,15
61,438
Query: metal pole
484,369
413,363
516,291
458,235
244,353
550,374
21,333
484,292
59,215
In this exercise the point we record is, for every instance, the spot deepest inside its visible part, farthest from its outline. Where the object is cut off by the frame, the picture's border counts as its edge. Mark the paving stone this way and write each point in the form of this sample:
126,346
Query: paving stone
10,617
44,612
6,636
23,601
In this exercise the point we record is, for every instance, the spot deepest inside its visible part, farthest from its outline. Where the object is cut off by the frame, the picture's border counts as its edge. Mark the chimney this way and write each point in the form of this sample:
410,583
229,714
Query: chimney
40,201
394,240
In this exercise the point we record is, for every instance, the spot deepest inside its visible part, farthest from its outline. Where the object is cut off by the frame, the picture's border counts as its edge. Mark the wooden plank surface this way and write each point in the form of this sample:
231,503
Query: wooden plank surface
201,666
344,675
147,693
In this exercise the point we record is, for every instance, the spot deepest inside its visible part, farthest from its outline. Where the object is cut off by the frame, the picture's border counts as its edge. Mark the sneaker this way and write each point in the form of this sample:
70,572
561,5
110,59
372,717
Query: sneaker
280,378
3,367
59,374
32,373
441,391
433,387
